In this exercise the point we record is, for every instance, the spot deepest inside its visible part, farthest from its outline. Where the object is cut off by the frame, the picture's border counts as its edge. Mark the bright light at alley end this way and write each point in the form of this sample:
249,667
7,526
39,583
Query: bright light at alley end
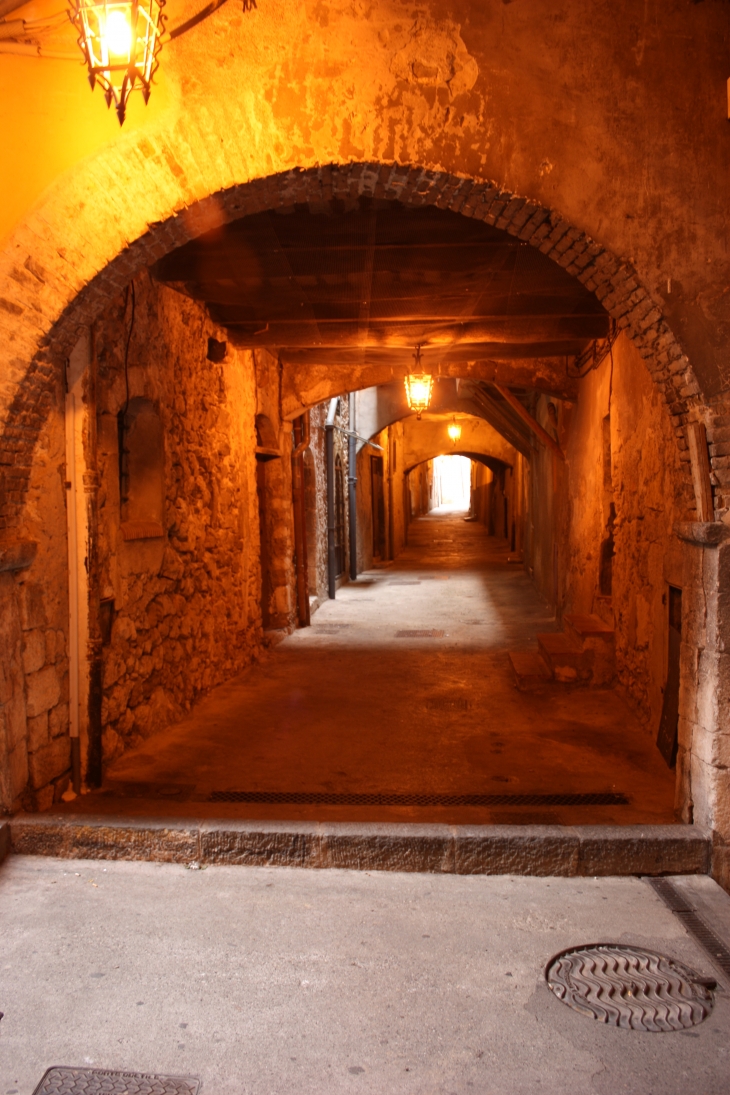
418,387
120,43
454,430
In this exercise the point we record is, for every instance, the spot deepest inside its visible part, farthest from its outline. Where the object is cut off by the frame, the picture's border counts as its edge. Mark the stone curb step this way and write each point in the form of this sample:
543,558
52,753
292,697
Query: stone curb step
588,850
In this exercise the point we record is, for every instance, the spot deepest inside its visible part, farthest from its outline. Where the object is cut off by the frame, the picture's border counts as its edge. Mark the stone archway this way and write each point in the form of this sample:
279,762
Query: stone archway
40,294
44,306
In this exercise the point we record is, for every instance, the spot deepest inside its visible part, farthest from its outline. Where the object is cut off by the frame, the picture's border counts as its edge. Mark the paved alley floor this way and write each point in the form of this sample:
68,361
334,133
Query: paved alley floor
274,981
357,705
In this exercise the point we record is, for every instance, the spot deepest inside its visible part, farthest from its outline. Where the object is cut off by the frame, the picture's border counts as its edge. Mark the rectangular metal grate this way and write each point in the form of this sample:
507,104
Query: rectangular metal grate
102,1081
420,633
447,703
405,582
693,922
330,798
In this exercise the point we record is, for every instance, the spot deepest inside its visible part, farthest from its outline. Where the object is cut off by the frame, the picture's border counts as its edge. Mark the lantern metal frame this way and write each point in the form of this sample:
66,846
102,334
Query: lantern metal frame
415,380
119,75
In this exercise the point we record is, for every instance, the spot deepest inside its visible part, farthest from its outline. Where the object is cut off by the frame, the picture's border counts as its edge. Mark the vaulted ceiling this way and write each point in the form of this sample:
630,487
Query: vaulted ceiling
368,283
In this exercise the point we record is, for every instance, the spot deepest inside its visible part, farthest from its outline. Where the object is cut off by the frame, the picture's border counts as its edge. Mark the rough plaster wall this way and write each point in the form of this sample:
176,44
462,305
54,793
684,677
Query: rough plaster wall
650,496
481,492
186,605
424,439
577,106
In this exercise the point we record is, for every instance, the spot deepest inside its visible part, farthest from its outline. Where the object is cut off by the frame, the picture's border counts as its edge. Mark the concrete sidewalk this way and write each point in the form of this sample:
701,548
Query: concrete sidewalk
275,981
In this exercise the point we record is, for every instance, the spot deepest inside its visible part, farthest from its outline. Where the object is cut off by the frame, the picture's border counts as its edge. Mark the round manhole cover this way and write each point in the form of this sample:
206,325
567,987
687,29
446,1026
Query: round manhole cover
631,988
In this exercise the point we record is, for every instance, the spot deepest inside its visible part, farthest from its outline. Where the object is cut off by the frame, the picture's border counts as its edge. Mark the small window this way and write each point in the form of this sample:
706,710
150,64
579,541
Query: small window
142,471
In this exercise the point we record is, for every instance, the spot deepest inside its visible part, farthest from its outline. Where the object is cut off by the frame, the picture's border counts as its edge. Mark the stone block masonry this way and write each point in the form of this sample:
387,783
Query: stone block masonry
185,612
542,850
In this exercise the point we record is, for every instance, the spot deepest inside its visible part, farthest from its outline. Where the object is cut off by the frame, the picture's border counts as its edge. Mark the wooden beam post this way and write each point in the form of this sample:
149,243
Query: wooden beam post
539,432
700,464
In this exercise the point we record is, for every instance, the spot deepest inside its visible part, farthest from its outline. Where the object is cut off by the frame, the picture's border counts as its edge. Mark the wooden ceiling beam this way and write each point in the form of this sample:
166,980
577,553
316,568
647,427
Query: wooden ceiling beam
417,329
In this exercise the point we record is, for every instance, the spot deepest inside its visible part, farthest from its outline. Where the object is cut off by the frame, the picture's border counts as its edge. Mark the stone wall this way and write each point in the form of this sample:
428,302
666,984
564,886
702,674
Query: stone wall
316,477
274,499
601,527
34,687
626,484
185,604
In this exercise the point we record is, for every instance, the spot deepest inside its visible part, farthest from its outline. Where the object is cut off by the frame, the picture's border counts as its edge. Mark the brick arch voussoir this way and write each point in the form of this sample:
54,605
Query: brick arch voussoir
614,282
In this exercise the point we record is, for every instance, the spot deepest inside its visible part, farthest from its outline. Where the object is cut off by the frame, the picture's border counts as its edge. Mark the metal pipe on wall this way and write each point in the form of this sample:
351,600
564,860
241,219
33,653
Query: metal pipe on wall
76,540
331,517
94,643
352,484
301,438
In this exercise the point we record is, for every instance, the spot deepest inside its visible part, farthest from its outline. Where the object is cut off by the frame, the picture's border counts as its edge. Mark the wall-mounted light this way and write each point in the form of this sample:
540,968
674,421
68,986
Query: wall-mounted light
419,386
120,41
454,430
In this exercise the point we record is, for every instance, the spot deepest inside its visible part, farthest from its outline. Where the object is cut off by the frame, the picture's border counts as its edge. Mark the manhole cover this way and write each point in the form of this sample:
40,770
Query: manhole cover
100,1081
630,988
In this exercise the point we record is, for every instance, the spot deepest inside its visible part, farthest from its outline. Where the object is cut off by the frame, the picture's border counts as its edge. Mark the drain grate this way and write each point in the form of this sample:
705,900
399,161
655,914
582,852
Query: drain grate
100,1081
331,798
447,703
694,923
420,633
124,789
630,987
405,582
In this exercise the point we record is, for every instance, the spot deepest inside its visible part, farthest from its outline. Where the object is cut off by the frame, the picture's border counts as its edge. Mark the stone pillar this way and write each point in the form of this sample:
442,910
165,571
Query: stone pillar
703,760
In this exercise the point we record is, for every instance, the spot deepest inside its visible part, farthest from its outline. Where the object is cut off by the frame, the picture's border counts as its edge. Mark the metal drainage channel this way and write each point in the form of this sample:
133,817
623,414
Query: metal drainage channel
630,987
327,798
695,925
420,633
101,1081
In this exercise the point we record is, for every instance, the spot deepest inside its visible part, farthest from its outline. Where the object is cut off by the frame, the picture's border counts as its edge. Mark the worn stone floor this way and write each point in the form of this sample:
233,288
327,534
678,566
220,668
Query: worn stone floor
349,706
270,981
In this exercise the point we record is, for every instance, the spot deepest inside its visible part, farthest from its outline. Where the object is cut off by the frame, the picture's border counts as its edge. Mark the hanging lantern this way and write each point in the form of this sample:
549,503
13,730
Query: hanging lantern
120,40
418,387
454,430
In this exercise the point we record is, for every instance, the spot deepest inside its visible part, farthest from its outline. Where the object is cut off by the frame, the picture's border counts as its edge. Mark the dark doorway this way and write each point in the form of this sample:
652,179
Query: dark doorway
378,501
668,727
339,518
264,520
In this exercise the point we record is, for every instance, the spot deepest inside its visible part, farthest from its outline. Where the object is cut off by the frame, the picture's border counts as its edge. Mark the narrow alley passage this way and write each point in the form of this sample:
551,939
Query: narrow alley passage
399,704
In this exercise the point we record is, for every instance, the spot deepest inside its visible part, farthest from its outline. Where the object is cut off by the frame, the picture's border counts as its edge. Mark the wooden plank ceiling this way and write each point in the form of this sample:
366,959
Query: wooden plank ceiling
369,283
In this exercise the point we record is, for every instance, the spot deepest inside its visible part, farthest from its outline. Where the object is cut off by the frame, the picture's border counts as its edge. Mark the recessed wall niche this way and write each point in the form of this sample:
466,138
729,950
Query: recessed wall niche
142,471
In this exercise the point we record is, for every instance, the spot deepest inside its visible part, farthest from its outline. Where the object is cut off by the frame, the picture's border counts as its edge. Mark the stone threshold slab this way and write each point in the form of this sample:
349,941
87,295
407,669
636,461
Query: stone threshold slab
451,849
